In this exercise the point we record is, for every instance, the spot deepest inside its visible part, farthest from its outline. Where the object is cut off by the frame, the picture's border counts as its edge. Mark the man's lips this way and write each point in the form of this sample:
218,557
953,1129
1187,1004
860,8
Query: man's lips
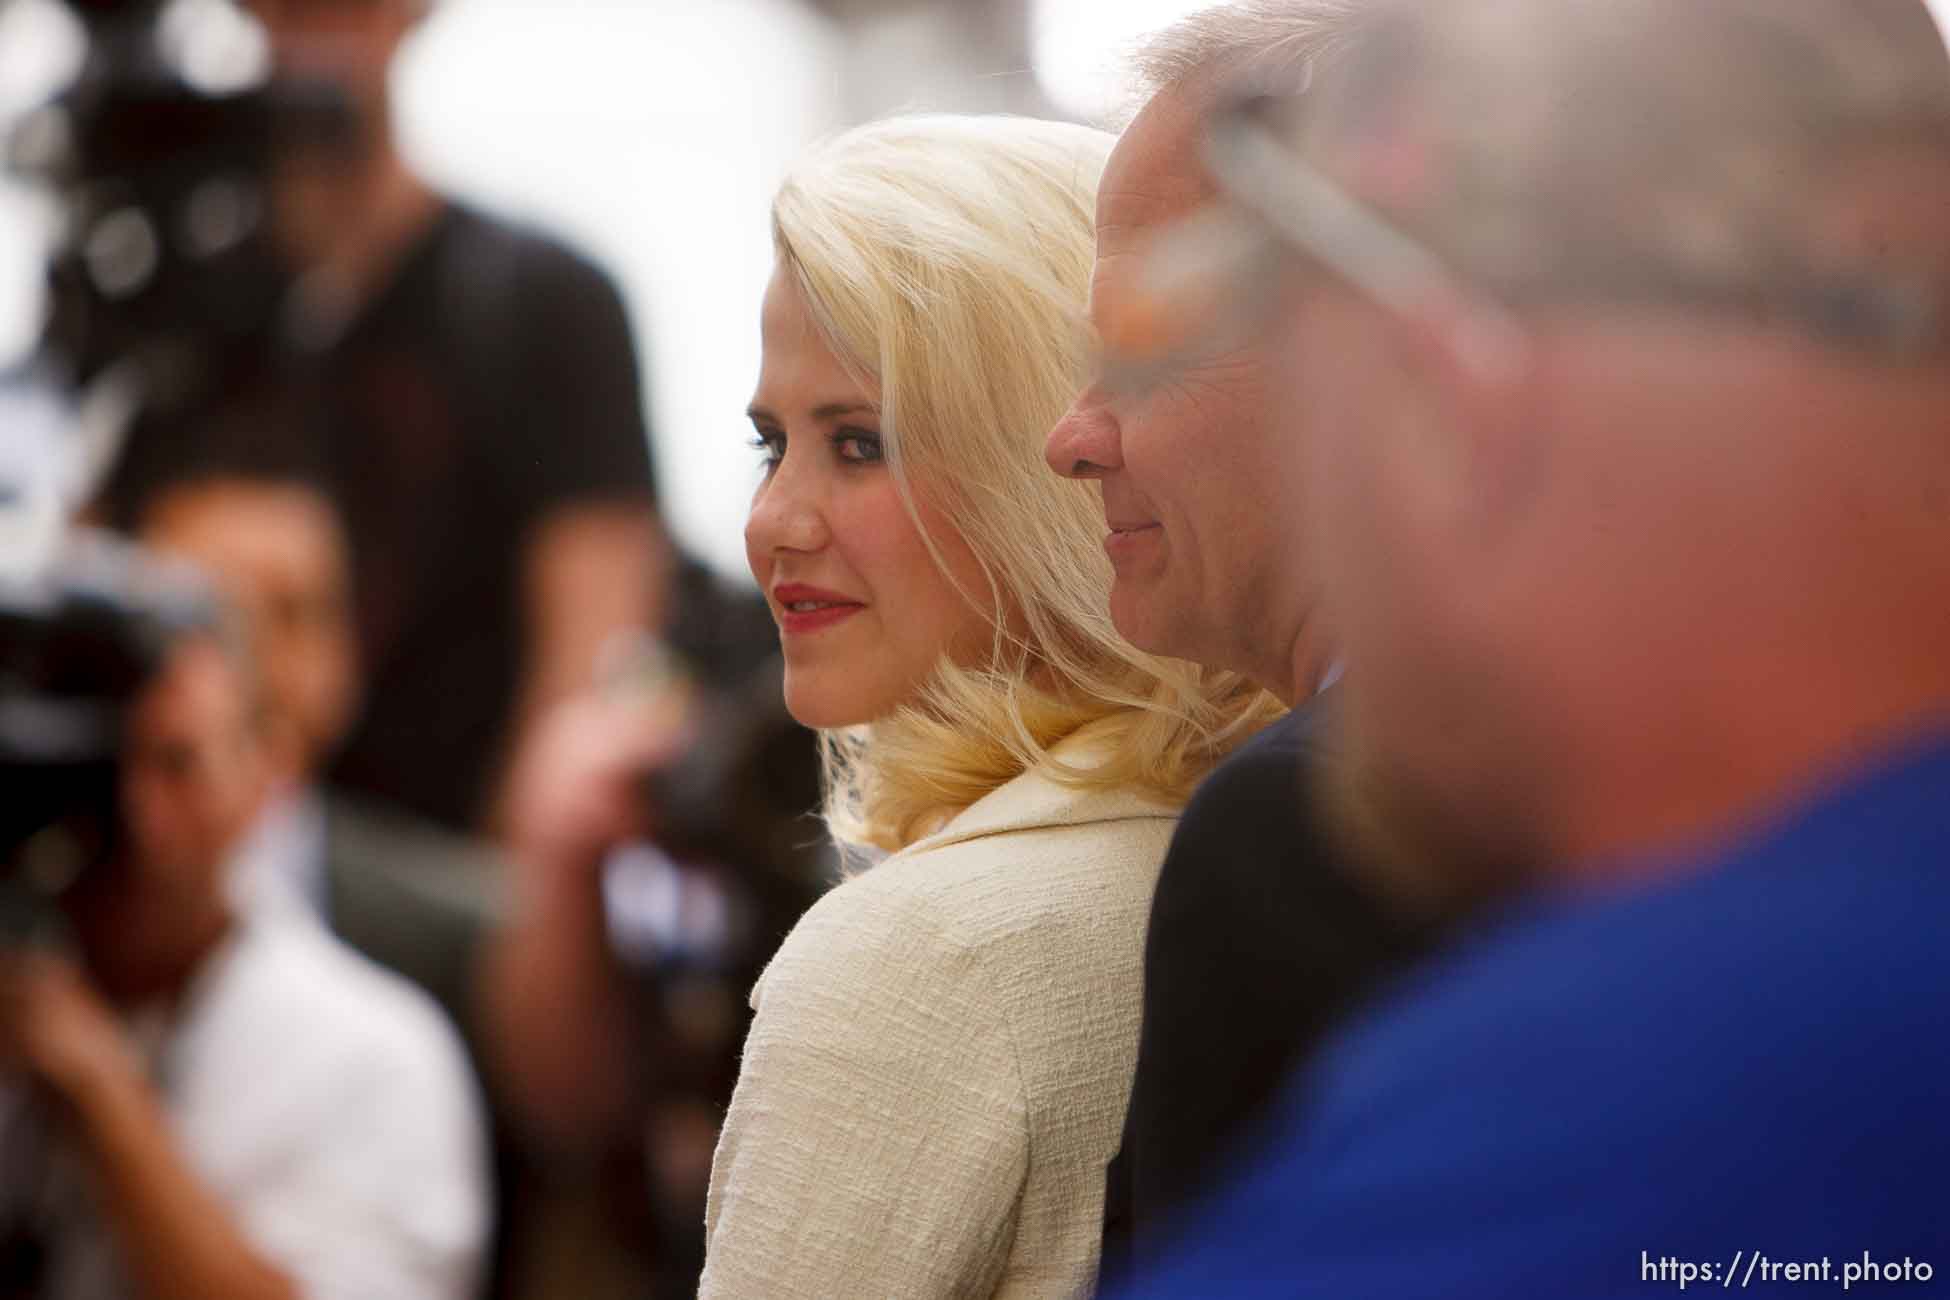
801,609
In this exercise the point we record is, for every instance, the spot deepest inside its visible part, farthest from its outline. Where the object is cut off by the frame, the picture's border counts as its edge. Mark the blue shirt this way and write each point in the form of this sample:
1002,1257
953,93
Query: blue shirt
1741,1067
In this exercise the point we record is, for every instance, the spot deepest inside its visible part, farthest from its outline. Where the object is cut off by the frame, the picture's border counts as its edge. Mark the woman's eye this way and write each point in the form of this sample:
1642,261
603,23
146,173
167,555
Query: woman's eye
858,446
769,446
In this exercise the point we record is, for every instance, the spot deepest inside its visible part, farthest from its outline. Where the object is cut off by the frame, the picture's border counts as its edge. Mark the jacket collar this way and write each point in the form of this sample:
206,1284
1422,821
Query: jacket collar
1036,800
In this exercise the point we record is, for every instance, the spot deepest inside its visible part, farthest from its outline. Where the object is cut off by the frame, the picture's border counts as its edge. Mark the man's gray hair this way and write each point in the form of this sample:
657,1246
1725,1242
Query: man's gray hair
1770,158
1269,42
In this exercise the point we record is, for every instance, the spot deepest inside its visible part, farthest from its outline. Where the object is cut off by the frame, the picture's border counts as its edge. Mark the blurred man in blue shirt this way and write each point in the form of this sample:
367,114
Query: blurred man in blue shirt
1619,348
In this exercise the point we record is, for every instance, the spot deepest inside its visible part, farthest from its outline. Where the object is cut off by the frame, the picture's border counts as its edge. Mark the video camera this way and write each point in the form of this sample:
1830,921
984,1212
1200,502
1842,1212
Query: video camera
160,156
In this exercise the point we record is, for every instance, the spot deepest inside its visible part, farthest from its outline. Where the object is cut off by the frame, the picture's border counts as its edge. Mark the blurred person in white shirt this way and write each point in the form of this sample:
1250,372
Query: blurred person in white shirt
245,502
213,1101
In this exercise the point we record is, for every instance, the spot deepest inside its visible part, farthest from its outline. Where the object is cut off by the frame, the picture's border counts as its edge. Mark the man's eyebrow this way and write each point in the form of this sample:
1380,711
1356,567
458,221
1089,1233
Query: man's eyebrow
827,411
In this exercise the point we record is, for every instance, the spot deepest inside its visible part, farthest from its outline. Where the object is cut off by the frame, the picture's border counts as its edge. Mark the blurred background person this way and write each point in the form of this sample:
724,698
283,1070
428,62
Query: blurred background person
1265,929
934,1076
486,425
447,352
246,500
609,1033
1625,475
217,1101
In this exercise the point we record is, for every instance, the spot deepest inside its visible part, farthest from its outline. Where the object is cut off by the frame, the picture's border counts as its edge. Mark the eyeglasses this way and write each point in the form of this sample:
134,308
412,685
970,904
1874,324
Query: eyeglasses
1212,282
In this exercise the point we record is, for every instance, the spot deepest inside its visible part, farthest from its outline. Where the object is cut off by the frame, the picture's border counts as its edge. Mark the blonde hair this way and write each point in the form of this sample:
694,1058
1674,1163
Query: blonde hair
946,260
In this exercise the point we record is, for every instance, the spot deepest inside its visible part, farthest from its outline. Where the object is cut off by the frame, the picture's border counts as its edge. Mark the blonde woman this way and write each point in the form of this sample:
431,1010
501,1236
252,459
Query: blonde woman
938,1070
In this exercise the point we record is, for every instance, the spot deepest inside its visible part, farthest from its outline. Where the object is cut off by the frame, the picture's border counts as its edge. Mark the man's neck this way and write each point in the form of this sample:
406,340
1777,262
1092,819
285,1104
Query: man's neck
393,208
164,978
1736,601
1309,666
1731,762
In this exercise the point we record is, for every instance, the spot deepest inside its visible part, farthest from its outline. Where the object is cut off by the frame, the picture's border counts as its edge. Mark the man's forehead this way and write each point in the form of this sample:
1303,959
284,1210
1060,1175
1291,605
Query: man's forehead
1156,174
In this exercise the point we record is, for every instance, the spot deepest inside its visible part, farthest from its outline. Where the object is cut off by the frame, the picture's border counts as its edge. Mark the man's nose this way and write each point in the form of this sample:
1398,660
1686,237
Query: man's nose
1085,442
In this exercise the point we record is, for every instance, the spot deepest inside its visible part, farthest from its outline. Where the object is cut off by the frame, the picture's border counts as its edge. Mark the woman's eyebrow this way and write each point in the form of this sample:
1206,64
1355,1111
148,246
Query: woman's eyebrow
827,411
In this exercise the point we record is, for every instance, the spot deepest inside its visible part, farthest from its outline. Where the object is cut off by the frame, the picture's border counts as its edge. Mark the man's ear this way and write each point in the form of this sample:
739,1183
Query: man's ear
1479,364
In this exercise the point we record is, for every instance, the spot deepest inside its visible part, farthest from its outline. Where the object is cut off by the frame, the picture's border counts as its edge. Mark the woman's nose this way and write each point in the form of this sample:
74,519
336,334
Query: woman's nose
788,514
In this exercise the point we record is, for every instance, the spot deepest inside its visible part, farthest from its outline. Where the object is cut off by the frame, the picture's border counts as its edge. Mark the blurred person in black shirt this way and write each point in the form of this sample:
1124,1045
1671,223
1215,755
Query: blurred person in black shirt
485,426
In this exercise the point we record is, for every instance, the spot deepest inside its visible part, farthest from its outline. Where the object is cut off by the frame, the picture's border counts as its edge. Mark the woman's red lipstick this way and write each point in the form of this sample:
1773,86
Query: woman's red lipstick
801,609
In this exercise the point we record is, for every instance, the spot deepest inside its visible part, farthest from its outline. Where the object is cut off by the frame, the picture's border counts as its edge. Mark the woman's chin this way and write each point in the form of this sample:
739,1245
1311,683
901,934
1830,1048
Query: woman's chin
826,706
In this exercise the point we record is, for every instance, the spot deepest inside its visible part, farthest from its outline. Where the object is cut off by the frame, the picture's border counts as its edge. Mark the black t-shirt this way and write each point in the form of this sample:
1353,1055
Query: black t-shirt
493,381
1260,939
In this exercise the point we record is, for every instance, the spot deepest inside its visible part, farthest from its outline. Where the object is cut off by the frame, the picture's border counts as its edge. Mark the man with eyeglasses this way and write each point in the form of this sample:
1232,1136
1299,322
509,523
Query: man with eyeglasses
1617,344
1262,933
